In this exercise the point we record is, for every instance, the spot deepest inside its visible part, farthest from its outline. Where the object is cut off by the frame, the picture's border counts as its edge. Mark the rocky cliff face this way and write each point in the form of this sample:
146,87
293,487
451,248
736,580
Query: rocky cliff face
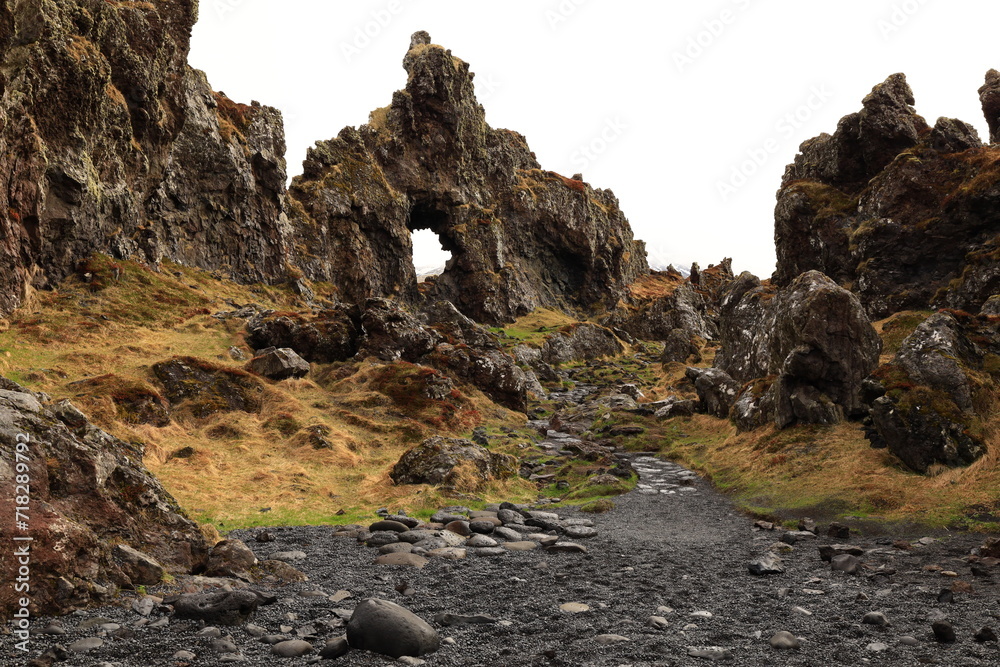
98,519
113,144
520,237
901,213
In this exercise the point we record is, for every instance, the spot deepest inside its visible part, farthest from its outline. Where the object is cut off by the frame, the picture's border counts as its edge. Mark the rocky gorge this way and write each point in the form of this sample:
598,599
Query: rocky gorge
578,460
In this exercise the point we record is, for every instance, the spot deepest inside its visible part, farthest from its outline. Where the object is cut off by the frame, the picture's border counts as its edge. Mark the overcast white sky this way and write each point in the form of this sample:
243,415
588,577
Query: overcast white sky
667,121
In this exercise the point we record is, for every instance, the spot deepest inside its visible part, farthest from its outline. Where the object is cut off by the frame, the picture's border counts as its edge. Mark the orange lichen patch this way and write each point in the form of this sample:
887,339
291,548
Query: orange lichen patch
115,95
80,49
234,118
578,186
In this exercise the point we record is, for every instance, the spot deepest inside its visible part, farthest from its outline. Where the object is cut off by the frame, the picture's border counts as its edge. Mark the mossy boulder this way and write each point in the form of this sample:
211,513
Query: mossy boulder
328,336
938,392
135,402
452,462
204,388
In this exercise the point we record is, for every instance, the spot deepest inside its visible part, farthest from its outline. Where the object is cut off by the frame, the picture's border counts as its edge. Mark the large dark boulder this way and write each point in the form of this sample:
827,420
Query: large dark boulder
450,461
989,95
388,629
89,492
491,371
392,333
939,391
662,303
800,354
717,391
327,336
581,342
821,348
278,364
226,608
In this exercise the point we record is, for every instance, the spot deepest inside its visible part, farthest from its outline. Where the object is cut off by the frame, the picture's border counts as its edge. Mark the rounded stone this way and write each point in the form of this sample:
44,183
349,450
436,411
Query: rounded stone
388,629
459,528
402,559
87,644
335,648
388,525
784,640
292,648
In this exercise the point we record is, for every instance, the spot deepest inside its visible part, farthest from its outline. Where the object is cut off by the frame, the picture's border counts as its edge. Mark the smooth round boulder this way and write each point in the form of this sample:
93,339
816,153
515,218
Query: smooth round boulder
461,528
784,640
335,648
386,628
483,527
292,648
388,524
402,559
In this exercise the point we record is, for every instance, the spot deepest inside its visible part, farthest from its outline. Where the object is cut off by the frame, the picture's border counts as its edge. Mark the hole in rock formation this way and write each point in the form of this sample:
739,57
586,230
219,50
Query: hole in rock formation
432,251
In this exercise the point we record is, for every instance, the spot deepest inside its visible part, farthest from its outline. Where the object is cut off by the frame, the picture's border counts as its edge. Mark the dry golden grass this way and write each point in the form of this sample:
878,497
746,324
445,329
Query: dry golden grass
656,285
831,471
243,464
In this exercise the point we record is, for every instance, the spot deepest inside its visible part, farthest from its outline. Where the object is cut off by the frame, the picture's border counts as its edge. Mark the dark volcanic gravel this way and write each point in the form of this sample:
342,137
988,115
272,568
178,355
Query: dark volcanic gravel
687,551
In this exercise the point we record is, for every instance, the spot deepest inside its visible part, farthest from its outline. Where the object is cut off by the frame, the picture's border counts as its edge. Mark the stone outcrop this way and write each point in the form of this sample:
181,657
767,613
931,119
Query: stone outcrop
800,354
939,392
450,462
113,144
89,491
899,212
278,364
439,337
520,237
662,302
203,388
580,342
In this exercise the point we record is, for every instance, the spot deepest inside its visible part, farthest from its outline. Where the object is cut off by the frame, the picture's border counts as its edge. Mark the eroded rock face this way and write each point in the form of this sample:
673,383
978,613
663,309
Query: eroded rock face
88,491
520,237
115,145
939,391
900,213
451,461
802,352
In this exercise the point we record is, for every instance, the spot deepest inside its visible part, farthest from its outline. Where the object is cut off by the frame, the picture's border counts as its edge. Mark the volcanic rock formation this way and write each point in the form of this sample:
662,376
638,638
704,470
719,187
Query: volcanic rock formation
89,491
113,144
901,213
801,352
939,391
520,237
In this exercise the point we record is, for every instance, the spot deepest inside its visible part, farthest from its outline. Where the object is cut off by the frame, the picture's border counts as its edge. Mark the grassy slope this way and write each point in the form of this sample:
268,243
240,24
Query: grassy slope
243,463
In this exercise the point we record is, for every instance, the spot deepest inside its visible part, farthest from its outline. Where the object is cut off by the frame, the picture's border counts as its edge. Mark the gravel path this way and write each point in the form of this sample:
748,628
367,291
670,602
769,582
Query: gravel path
672,549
